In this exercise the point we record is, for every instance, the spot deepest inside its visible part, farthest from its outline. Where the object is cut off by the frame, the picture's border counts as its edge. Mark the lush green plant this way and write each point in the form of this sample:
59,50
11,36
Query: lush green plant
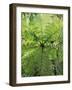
41,44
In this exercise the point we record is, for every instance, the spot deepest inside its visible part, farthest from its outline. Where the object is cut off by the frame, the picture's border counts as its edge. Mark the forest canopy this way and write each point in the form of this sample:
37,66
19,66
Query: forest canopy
41,44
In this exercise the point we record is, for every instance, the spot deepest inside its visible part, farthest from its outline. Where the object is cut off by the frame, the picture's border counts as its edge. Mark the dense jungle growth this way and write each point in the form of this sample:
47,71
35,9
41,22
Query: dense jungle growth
41,44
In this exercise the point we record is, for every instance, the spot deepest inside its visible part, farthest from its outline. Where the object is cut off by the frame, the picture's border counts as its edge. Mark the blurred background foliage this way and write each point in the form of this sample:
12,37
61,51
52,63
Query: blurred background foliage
41,44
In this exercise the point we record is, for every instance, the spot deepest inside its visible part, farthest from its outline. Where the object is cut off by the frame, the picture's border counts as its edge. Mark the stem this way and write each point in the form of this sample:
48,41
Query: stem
41,60
54,67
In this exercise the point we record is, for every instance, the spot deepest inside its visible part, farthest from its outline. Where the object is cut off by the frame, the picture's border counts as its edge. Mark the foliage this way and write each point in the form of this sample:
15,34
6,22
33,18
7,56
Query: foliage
41,44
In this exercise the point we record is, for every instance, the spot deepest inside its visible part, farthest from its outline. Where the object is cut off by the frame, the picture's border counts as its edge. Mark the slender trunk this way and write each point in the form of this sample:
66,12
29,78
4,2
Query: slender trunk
54,67
41,60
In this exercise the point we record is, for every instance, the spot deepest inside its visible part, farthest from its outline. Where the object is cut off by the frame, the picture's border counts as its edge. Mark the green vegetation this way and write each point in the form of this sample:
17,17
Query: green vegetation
41,44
